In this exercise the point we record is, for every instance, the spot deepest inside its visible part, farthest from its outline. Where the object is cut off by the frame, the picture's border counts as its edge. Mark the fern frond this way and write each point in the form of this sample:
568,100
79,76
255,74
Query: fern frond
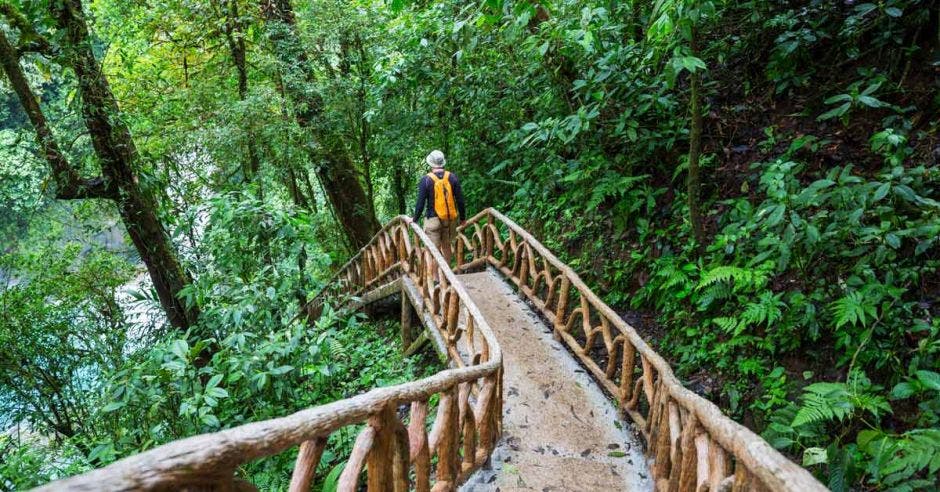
823,402
726,324
338,349
853,308
673,276
712,293
873,404
768,309
741,278
755,313
724,273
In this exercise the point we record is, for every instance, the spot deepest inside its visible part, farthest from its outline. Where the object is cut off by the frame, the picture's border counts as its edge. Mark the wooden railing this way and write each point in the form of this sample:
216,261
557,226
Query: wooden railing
397,453
694,446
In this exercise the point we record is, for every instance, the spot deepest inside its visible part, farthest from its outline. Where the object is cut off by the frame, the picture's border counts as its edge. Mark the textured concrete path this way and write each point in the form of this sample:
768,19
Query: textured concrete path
560,431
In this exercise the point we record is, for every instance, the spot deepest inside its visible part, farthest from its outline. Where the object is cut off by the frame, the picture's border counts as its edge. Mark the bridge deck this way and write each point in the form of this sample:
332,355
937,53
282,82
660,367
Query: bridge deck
560,431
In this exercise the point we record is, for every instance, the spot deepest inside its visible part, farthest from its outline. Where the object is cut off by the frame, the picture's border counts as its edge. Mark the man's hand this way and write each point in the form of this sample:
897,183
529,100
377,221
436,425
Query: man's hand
409,220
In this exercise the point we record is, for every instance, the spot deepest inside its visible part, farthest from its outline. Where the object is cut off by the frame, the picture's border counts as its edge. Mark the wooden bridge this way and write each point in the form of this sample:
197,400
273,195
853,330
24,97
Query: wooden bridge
512,412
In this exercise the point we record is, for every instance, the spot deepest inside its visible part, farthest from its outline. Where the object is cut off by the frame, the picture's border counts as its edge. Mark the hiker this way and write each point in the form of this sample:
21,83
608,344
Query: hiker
441,201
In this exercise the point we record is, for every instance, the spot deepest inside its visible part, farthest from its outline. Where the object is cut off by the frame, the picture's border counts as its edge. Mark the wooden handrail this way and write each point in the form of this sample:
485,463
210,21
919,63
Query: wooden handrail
400,257
692,443
213,457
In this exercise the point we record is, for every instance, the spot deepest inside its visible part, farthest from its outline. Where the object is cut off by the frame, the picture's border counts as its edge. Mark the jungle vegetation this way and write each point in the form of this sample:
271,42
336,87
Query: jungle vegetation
755,185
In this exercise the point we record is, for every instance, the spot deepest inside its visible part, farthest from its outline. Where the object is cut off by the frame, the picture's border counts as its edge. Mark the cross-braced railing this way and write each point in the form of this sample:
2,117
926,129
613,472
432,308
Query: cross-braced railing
694,446
396,453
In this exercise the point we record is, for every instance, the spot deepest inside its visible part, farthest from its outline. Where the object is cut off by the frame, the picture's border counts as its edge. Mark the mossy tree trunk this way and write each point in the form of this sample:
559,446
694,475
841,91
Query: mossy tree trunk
116,152
234,30
334,166
694,181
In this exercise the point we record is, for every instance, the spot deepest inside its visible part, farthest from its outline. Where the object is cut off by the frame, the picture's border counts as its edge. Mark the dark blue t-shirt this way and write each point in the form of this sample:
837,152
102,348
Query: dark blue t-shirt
426,196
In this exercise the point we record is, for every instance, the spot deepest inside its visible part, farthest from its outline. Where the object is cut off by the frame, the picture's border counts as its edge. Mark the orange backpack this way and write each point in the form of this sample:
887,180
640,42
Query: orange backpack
443,197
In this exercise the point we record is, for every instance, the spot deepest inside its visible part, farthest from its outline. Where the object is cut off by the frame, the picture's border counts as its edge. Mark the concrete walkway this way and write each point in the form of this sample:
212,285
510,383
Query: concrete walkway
560,431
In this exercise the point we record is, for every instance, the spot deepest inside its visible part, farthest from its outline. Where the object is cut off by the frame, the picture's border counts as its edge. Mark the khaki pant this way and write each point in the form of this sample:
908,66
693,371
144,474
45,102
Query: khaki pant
442,234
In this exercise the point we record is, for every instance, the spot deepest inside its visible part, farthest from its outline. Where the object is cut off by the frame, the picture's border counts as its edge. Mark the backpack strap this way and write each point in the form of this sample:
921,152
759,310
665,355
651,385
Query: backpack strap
435,178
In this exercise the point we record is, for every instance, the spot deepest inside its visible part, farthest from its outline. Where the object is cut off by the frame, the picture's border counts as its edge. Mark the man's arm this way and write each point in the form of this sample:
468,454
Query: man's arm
422,198
458,197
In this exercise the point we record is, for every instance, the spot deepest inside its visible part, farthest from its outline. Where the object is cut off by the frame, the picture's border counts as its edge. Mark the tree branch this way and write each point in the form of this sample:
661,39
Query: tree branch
41,47
30,40
69,184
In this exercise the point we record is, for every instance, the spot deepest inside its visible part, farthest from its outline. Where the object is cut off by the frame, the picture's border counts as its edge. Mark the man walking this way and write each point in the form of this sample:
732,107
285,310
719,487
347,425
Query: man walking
440,199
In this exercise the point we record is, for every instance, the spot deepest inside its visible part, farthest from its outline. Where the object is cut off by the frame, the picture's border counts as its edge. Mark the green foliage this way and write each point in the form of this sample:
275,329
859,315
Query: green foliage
853,308
836,401
58,322
61,324
905,462
20,180
263,254
809,37
856,97
824,260
162,394
139,387
880,459
819,196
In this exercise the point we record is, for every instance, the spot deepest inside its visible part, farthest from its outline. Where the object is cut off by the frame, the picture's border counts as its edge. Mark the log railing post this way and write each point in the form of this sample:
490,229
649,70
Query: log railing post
660,439
349,478
702,461
447,443
522,256
306,465
366,268
458,249
407,317
688,469
451,321
468,424
675,446
401,460
488,237
586,325
400,247
718,465
562,307
626,371
381,456
418,452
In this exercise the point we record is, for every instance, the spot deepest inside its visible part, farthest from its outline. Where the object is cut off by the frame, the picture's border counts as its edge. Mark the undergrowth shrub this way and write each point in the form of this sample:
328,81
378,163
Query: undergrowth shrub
160,394
822,279
142,388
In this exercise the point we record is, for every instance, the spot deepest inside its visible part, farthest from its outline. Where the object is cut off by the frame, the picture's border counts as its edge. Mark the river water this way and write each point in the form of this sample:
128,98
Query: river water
139,302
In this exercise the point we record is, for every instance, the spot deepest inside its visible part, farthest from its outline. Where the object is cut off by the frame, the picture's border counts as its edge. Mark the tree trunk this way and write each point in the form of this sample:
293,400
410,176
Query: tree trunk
311,193
336,171
636,21
114,146
294,187
935,20
401,194
235,35
365,133
695,150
